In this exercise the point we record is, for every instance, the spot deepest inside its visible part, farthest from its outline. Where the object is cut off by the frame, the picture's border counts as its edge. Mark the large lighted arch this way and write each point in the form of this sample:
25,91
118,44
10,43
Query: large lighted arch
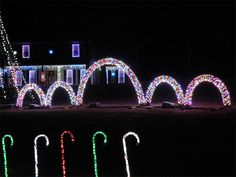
25,89
110,61
63,85
165,79
211,79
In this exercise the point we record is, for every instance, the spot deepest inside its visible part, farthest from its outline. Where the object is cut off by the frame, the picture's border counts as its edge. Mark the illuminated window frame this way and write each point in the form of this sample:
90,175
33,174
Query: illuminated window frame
26,51
19,77
32,77
121,76
75,50
69,74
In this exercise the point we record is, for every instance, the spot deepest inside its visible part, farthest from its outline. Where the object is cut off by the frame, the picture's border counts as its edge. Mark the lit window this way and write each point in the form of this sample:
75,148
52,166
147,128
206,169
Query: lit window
82,72
25,51
18,78
69,76
75,51
31,76
121,76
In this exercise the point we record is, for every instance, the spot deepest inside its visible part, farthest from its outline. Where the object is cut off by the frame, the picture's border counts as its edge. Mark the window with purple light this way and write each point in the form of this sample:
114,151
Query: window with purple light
69,76
25,51
75,50
31,76
19,78
121,76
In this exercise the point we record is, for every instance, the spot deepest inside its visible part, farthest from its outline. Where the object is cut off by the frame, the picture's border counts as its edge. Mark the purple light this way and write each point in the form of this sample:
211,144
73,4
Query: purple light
75,50
121,76
19,78
31,76
25,51
69,76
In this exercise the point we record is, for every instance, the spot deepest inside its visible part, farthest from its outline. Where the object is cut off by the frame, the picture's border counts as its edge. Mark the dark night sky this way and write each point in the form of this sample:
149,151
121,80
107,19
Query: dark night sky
181,39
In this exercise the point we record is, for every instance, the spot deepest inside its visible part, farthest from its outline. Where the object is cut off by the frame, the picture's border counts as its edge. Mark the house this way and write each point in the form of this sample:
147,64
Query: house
44,63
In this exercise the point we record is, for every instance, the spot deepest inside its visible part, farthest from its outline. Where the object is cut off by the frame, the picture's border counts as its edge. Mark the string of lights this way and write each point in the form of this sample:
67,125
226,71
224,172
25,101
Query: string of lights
2,84
63,150
5,153
114,62
63,85
125,149
9,54
25,89
78,100
36,152
169,80
94,149
12,60
211,79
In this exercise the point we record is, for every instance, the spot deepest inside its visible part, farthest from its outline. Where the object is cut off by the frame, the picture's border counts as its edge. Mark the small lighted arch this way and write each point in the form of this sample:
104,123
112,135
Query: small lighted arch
25,89
63,85
165,79
111,61
211,79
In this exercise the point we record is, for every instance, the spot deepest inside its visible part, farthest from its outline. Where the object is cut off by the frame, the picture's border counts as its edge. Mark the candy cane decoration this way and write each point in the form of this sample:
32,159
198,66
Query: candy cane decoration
4,152
36,151
94,150
63,150
125,149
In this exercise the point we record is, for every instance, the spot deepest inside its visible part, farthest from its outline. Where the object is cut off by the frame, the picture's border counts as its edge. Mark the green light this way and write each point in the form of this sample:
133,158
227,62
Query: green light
94,149
4,152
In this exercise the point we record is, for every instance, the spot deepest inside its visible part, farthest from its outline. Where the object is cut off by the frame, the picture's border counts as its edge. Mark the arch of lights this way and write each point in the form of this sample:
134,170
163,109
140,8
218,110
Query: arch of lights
110,61
211,79
165,79
25,89
63,85
142,99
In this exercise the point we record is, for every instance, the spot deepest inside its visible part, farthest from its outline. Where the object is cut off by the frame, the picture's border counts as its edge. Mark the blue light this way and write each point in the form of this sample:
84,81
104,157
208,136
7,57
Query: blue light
50,51
113,74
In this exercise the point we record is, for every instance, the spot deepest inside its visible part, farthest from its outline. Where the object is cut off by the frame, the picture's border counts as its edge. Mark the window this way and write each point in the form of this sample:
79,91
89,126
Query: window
69,76
31,76
25,51
82,72
121,76
19,78
75,51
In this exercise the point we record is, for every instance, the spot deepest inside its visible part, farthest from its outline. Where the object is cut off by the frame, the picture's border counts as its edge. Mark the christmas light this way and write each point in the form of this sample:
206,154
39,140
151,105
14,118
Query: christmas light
4,152
165,79
9,53
36,152
50,51
59,73
63,85
52,67
125,149
120,65
94,149
12,62
211,79
63,150
1,78
25,89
